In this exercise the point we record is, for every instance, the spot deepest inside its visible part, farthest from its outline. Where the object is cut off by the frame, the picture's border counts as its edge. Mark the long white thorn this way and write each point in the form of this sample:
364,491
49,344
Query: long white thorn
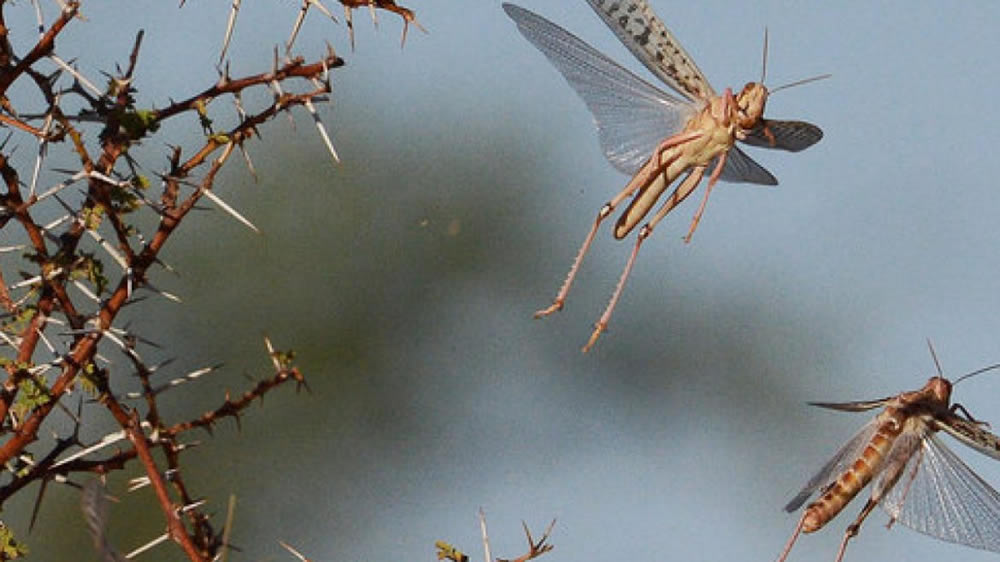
322,131
294,552
230,26
86,291
297,26
147,546
62,185
105,441
42,151
164,294
486,537
79,77
189,377
225,207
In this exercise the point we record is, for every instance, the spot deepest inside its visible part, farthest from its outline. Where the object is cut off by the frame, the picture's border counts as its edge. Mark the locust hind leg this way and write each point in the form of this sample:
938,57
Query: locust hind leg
791,541
680,193
654,166
704,200
853,528
666,144
607,209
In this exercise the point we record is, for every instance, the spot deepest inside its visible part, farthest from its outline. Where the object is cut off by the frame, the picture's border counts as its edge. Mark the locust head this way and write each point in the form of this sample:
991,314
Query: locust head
939,388
750,105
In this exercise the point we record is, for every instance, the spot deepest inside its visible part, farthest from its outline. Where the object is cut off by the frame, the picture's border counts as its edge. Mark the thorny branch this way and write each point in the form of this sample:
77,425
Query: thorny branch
446,551
535,548
407,15
60,299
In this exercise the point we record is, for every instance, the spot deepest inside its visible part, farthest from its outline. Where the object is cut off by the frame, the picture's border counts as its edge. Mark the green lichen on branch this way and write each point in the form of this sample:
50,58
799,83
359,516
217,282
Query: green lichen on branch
10,548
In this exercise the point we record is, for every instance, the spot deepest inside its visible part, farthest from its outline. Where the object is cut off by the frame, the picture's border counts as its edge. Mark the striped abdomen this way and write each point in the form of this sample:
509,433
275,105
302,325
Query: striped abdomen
852,480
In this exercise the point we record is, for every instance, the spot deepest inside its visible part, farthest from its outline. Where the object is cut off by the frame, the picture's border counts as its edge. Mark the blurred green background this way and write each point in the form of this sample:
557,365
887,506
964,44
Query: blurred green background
405,279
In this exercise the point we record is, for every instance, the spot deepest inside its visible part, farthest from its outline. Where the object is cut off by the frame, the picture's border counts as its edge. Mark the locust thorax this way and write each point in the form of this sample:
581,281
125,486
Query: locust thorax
750,105
722,109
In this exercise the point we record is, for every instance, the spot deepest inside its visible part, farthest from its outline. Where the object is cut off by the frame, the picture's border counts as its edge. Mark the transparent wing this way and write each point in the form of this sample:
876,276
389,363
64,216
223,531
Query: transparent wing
894,469
939,495
836,465
788,135
740,168
634,22
971,434
632,115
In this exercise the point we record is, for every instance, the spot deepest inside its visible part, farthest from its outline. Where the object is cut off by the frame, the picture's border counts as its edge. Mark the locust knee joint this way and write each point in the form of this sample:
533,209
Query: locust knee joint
852,530
605,211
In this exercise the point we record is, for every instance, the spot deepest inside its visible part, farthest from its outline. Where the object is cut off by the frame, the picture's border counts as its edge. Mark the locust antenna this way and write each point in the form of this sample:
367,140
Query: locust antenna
963,377
763,66
976,372
934,356
800,82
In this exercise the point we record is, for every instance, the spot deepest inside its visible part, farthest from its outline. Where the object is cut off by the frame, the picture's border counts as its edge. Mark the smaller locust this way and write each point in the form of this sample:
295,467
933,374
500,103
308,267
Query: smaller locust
915,478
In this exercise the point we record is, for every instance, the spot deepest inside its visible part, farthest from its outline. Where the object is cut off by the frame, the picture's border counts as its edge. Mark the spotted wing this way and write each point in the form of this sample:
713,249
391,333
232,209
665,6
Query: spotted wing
844,458
635,24
939,495
632,115
788,135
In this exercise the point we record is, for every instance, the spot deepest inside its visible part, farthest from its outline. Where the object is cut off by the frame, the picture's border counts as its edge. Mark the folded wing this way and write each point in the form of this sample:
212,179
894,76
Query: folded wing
787,135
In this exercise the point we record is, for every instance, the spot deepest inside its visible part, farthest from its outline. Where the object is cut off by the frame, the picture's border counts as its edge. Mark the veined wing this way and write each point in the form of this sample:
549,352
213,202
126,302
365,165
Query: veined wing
844,458
634,22
939,495
971,434
896,463
740,168
788,135
632,115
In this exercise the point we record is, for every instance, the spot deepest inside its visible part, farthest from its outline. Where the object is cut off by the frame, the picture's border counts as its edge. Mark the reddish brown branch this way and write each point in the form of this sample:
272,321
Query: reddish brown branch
232,408
5,301
174,525
18,124
41,49
296,68
535,548
388,5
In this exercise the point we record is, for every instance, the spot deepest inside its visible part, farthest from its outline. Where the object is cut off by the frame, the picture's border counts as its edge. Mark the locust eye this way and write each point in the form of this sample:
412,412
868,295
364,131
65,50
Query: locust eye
751,102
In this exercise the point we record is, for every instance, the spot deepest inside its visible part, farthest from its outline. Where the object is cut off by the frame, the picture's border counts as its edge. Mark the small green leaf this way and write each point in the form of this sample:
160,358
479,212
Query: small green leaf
30,396
138,122
448,551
